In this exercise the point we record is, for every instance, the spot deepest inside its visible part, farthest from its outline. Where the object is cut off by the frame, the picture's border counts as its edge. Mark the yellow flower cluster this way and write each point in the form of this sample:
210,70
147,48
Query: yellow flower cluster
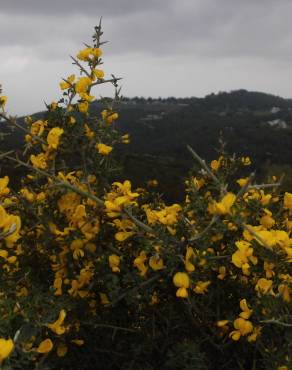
155,262
167,215
109,116
243,256
243,326
120,196
103,149
224,206
79,253
89,54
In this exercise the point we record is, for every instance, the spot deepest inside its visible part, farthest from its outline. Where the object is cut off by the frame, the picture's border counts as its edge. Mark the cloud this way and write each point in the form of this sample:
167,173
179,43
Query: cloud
66,8
203,28
175,41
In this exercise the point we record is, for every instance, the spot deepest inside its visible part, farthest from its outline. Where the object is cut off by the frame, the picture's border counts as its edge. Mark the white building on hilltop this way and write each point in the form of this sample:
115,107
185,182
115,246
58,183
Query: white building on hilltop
279,123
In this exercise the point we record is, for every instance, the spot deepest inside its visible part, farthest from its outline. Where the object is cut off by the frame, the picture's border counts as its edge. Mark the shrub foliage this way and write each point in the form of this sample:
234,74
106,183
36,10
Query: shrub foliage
95,274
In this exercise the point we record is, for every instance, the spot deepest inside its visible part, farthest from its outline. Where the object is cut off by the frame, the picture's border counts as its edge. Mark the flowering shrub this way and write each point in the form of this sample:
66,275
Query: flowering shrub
95,274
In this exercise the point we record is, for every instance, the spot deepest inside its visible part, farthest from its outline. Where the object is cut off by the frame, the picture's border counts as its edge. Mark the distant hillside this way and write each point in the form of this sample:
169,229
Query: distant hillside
251,123
244,100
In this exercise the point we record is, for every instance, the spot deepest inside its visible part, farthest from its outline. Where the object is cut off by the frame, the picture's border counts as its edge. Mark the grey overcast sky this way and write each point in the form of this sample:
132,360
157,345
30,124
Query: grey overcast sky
160,47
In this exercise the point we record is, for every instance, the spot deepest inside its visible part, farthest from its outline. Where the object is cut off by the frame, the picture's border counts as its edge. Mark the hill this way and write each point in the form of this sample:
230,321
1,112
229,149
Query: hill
251,123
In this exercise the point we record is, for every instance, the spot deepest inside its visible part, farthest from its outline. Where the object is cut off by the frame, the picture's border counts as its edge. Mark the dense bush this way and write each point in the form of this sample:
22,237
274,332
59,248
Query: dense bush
95,274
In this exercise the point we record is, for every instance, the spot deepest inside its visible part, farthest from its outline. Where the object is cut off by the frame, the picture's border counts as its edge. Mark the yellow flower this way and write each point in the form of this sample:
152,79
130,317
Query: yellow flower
222,323
58,326
68,203
182,281
4,190
267,220
202,287
222,273
285,291
253,337
121,236
84,54
40,196
23,292
83,107
264,286
198,183
3,100
54,137
121,195
139,262
167,216
126,140
39,161
114,262
86,97
83,84
64,85
38,127
246,161
190,254
112,117
11,225
78,217
242,326
109,116
242,182
29,196
98,73
6,347
243,255
288,201
151,183
268,267
72,120
54,106
79,342
96,52
246,311
104,114
3,216
156,263
154,299
77,247
224,206
12,259
104,299
3,253
265,198
103,148
58,286
68,83
215,165
45,346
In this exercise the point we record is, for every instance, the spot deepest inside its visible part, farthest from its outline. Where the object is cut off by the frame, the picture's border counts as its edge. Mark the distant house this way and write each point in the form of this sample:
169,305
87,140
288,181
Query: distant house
278,123
275,110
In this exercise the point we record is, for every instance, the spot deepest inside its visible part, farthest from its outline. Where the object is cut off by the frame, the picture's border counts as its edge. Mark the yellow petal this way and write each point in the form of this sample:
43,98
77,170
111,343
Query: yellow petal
45,346
6,347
